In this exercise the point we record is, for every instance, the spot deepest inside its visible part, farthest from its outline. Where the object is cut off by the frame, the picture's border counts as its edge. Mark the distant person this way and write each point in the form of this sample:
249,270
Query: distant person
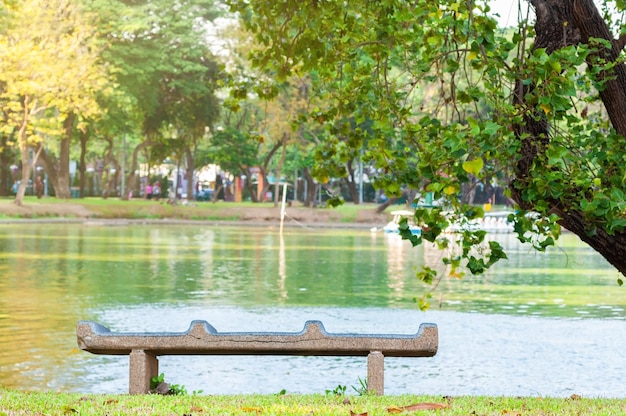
39,187
149,191
15,187
156,191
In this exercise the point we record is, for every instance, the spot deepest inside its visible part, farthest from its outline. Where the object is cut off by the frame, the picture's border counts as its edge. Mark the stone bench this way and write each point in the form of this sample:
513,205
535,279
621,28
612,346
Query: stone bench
202,339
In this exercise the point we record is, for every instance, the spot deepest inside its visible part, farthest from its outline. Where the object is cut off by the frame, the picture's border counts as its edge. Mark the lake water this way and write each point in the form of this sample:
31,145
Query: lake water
537,325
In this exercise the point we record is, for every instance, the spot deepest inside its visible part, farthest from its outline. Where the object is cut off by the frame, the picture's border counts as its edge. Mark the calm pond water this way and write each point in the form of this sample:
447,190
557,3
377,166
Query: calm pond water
538,324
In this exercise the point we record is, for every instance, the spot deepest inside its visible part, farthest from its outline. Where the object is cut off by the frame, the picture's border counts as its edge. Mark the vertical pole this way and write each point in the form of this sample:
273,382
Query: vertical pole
295,185
282,208
123,190
361,177
143,366
376,373
178,182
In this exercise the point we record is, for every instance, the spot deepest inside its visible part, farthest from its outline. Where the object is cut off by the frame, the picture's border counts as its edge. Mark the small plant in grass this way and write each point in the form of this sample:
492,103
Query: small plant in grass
159,386
337,391
361,389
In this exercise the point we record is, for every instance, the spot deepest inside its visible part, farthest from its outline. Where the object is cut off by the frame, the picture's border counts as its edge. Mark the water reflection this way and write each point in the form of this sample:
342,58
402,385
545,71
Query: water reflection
151,277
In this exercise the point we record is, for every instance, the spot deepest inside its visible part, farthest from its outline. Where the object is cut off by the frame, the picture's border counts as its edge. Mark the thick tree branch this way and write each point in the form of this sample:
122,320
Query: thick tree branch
591,25
562,23
620,42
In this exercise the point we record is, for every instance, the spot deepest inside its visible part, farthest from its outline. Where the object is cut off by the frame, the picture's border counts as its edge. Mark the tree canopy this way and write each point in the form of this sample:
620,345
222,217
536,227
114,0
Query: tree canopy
49,70
441,98
110,75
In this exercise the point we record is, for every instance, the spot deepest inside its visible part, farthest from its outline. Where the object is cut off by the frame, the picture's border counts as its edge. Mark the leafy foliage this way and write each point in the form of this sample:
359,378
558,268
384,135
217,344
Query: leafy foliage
440,99
49,71
165,73
337,391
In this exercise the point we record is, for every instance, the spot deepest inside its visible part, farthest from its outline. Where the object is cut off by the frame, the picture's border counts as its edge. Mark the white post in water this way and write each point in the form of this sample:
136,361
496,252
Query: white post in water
282,208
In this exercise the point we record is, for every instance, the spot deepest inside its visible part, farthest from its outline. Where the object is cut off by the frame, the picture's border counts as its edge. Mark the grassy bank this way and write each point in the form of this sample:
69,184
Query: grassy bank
114,208
21,403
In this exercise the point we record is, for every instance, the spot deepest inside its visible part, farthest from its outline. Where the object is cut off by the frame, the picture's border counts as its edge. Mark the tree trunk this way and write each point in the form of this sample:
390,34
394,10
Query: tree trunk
63,187
248,184
6,157
189,173
58,170
311,188
109,162
218,188
279,169
23,145
351,184
26,168
469,191
390,201
82,165
266,185
110,185
561,23
130,179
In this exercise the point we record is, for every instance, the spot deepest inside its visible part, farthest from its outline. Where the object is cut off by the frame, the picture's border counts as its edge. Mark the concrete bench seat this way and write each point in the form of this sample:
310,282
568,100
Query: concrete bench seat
203,339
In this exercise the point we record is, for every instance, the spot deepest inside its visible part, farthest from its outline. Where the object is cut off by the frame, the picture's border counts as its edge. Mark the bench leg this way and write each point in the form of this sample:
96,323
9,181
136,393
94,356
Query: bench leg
143,366
376,373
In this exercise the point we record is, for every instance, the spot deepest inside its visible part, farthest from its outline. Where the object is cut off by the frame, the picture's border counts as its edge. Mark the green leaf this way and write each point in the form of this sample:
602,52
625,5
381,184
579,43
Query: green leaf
476,266
405,232
427,275
473,166
422,303
491,128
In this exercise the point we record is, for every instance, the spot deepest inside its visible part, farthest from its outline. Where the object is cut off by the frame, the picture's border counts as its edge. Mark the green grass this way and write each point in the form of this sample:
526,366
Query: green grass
30,403
114,208
219,218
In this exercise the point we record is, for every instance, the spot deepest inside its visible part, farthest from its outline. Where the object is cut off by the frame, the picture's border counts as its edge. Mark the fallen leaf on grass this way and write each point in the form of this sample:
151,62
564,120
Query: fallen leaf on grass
418,406
196,409
575,397
252,409
357,414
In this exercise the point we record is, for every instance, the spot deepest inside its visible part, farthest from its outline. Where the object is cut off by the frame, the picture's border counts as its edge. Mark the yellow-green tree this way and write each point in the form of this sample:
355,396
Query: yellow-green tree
49,72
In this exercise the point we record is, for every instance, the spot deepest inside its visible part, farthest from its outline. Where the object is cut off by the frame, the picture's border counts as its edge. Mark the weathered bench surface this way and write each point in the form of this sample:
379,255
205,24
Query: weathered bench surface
203,339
